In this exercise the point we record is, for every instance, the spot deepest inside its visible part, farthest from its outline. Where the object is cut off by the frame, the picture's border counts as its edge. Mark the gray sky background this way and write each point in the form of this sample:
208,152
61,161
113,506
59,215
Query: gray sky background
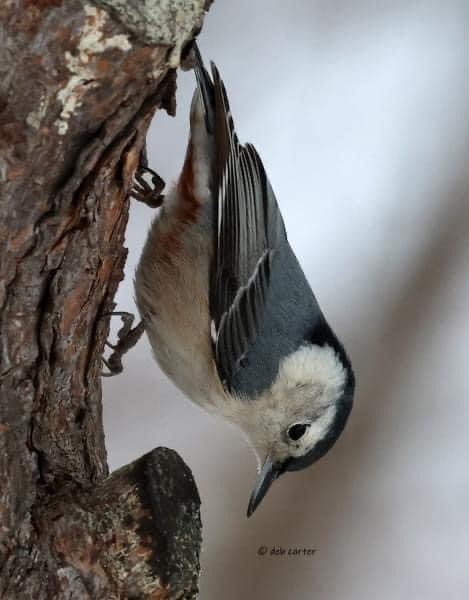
360,112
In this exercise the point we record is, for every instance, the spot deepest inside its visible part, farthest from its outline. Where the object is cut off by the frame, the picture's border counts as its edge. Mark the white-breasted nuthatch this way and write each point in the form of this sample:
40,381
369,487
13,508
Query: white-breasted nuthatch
226,306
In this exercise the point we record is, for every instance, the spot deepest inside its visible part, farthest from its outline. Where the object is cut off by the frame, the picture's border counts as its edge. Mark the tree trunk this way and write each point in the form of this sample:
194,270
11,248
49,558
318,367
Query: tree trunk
79,84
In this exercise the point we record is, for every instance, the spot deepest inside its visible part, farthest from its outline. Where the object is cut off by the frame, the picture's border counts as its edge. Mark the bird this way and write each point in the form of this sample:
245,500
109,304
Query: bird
226,306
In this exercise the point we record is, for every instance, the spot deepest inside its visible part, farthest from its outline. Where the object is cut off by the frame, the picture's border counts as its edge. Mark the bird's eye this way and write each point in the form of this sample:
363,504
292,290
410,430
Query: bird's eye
297,431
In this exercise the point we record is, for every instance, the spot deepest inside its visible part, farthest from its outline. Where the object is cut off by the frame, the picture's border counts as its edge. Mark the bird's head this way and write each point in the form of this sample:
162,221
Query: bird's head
298,419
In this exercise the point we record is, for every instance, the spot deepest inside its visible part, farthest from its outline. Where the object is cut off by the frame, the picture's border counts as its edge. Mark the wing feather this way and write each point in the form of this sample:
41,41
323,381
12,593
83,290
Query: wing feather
248,229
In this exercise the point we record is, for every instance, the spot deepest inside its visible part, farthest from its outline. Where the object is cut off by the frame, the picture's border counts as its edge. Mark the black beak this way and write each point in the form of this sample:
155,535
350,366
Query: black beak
268,474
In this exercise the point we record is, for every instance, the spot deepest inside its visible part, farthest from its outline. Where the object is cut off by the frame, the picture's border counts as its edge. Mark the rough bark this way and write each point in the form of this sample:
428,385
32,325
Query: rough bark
79,84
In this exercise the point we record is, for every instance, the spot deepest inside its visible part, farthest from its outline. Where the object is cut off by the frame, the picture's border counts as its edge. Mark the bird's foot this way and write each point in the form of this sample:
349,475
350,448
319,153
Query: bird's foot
127,337
149,192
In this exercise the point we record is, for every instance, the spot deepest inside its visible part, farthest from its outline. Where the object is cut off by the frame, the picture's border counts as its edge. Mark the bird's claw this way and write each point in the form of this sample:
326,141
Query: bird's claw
143,191
149,192
127,337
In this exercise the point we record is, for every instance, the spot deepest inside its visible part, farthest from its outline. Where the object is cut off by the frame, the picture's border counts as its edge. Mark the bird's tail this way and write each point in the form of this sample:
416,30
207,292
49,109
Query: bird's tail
211,94
206,89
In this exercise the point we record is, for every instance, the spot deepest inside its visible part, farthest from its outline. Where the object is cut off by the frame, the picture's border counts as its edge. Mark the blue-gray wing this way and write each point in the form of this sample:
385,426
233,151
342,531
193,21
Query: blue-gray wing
291,318
248,231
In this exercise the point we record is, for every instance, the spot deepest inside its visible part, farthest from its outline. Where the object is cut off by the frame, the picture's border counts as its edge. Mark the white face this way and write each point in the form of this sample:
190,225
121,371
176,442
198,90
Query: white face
296,412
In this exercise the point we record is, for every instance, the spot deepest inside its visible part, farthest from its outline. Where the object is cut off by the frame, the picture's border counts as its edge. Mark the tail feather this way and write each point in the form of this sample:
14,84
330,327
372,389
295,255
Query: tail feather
206,88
